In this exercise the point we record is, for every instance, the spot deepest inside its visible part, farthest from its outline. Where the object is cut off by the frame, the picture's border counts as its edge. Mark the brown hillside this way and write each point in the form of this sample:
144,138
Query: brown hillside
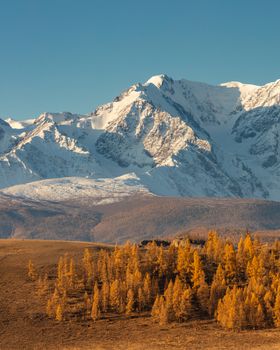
135,218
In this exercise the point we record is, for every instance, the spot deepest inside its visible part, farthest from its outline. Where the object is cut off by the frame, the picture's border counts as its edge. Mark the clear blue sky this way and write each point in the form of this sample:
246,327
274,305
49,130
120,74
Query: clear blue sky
72,55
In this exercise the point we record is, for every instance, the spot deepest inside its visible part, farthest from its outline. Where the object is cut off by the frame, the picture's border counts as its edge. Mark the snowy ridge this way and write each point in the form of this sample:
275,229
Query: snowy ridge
179,138
19,124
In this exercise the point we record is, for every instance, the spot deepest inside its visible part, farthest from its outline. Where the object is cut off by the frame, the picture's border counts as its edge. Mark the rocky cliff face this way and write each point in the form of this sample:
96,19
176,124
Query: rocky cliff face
178,138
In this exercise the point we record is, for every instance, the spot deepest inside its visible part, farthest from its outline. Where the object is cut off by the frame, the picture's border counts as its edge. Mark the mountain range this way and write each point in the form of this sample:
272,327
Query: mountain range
164,137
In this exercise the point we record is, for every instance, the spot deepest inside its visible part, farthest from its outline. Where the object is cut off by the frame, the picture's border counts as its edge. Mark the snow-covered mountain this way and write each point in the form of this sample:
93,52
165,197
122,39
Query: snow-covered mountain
178,138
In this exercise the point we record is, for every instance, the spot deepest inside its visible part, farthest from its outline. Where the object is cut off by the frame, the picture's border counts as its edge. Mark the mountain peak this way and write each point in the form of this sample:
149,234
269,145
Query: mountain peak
159,80
179,137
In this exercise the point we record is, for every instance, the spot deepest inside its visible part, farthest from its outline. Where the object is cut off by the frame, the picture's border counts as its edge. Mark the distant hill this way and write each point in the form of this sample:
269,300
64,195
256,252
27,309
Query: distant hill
135,217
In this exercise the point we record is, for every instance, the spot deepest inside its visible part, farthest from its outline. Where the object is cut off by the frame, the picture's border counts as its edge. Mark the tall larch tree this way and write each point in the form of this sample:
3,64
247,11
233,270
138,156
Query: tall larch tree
184,261
156,309
147,290
229,263
178,290
32,274
115,295
95,310
213,247
218,289
105,296
185,305
88,267
140,300
129,302
168,302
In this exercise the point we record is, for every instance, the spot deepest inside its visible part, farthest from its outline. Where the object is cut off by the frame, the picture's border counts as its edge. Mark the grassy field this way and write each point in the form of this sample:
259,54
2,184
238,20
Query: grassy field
24,325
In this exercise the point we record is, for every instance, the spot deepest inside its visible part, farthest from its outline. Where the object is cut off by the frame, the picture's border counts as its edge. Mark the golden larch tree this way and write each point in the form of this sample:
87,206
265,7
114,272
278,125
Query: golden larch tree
185,305
178,290
147,290
95,309
32,274
105,296
129,302
156,309
184,260
217,290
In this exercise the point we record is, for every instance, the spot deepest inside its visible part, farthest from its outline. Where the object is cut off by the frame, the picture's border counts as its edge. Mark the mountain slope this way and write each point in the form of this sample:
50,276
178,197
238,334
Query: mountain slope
179,138
134,216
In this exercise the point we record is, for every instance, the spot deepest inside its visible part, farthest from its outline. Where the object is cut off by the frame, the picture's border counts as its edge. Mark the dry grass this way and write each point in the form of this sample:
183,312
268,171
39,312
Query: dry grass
23,324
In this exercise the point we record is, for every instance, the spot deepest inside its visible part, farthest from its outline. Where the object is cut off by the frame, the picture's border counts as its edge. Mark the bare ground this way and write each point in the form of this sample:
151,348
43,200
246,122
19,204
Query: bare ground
23,324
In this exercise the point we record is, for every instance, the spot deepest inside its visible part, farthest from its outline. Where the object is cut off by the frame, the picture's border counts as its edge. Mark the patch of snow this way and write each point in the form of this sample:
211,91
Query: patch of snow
100,191
19,124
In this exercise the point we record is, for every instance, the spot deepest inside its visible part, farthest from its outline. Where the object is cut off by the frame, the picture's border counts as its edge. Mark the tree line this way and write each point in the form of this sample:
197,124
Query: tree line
238,285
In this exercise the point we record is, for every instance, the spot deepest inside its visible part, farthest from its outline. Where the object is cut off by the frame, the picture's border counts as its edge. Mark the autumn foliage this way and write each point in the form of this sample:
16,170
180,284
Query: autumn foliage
237,284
